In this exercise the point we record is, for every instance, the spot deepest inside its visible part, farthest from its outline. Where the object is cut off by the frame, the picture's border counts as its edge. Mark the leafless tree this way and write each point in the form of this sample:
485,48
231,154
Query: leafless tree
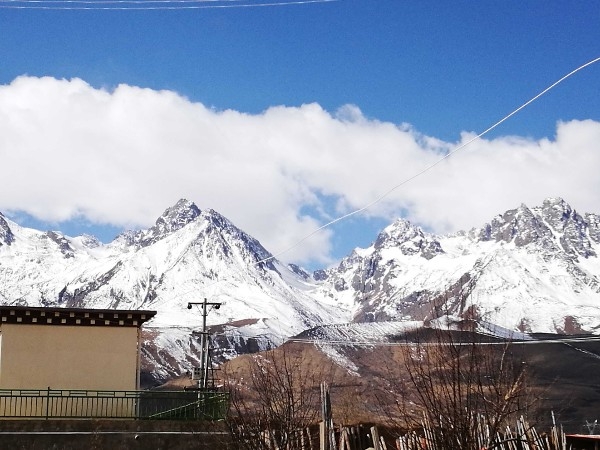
468,389
274,398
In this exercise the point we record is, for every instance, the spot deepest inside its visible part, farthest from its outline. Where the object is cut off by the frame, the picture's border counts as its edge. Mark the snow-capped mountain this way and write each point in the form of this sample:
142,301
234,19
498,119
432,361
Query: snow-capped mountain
531,269
186,256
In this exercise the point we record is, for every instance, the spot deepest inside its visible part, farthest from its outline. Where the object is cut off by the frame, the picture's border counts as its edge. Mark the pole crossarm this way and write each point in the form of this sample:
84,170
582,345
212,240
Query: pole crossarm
204,341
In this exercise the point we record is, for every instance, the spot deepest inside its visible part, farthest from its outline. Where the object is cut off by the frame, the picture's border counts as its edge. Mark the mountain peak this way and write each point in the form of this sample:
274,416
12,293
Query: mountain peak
409,238
177,216
556,212
520,225
554,226
397,233
574,231
173,219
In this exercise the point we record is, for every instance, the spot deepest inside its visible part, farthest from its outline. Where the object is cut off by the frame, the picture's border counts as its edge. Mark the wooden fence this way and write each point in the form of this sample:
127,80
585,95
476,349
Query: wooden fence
328,436
521,437
362,437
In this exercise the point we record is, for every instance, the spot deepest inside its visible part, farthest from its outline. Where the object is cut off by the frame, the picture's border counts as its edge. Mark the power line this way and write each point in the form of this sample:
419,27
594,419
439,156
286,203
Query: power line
105,2
380,343
431,166
145,5
3,4
347,343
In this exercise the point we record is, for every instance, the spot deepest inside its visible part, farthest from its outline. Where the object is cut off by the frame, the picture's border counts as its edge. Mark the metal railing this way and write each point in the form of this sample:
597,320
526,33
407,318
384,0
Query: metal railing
80,404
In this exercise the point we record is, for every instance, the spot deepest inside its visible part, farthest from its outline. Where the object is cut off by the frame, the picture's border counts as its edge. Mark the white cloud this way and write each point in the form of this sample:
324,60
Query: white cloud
123,156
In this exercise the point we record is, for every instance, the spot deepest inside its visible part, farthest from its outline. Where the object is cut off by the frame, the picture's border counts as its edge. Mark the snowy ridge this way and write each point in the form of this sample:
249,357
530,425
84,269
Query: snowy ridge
186,256
529,269
328,338
358,334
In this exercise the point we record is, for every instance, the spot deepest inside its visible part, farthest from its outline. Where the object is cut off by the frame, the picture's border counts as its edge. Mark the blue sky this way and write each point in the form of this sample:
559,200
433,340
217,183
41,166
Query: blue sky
329,104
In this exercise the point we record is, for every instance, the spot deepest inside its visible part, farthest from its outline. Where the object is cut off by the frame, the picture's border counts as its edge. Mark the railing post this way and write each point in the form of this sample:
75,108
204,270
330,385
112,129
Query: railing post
136,404
48,403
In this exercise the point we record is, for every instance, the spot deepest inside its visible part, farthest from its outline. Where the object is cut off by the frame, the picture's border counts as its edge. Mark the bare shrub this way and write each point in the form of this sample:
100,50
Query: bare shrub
274,398
468,389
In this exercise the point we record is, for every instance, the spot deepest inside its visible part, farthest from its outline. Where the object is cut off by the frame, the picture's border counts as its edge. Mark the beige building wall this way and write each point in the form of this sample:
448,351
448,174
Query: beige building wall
68,357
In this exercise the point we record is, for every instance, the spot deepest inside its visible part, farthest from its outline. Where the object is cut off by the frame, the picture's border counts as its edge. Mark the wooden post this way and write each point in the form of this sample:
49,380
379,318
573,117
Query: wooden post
398,444
323,438
344,439
382,443
375,437
328,432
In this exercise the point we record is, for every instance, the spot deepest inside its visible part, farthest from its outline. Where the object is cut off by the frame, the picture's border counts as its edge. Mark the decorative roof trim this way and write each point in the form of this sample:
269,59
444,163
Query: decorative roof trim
74,316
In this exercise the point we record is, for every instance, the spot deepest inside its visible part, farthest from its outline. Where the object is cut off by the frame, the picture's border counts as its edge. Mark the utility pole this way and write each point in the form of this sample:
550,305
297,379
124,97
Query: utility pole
204,341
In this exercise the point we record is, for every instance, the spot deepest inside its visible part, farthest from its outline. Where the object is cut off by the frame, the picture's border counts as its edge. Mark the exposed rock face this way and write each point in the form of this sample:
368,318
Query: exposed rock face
520,226
554,228
523,267
593,222
62,242
187,255
534,269
411,240
173,219
6,235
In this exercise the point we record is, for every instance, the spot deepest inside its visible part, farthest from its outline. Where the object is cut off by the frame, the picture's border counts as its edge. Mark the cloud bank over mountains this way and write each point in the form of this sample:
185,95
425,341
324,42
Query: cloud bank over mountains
118,156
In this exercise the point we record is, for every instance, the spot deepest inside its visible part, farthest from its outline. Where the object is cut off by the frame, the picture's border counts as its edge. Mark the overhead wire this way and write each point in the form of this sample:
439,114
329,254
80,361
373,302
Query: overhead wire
349,343
212,4
567,340
141,5
431,166
386,193
103,2
407,180
421,172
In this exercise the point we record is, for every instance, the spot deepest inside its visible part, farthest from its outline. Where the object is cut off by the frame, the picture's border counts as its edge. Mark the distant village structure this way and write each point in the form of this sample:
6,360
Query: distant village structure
70,348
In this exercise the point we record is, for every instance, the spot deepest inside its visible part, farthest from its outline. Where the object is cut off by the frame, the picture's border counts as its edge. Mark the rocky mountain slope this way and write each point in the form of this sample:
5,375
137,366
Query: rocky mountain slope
529,269
186,256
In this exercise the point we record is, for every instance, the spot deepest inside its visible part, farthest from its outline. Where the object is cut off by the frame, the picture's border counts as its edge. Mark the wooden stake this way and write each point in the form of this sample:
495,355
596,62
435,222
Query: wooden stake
375,437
